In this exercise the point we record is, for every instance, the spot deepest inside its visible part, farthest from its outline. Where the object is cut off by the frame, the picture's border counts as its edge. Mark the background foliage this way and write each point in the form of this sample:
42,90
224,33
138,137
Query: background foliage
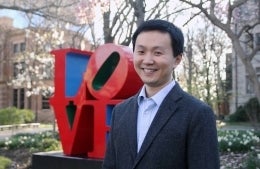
12,115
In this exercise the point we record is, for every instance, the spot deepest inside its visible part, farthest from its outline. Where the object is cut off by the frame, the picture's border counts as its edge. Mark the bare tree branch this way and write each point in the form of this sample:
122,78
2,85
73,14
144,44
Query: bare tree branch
46,10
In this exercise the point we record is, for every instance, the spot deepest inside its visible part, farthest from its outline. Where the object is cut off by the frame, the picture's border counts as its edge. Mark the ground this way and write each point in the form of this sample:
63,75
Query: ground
22,159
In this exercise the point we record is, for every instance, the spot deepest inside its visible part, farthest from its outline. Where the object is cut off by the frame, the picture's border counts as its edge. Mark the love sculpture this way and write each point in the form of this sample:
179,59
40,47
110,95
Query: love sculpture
87,87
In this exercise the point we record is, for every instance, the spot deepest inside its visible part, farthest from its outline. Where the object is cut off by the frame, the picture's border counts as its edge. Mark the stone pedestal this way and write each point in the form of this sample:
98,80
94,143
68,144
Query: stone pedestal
57,160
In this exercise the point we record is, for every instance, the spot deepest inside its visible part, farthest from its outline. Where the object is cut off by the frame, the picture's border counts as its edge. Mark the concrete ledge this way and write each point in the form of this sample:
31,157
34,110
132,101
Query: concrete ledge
57,160
19,126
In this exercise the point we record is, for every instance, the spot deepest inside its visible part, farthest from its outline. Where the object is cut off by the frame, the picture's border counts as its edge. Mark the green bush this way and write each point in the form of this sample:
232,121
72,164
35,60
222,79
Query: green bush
239,116
12,115
27,115
252,107
49,144
250,110
4,162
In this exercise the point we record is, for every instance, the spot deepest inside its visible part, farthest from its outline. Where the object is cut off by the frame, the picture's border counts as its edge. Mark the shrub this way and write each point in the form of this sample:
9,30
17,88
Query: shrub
252,108
10,115
27,115
4,162
250,111
239,116
49,144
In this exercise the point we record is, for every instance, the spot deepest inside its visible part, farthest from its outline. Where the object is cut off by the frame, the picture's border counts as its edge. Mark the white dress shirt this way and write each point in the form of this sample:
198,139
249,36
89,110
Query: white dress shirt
147,110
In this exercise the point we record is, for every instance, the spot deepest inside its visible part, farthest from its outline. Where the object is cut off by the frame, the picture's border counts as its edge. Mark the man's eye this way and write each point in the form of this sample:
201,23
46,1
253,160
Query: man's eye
140,52
158,53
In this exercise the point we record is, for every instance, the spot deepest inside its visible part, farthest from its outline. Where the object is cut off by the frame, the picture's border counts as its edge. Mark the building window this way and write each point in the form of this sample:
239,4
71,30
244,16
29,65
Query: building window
18,98
15,97
258,70
16,48
22,46
249,45
229,77
19,47
21,99
45,102
249,85
257,39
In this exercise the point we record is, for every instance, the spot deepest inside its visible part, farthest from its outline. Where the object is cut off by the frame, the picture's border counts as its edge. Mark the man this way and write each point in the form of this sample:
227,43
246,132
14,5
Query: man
162,127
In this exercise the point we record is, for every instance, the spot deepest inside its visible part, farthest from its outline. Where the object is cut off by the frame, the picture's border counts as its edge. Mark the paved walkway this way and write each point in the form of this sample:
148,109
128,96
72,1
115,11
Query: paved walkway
8,132
237,127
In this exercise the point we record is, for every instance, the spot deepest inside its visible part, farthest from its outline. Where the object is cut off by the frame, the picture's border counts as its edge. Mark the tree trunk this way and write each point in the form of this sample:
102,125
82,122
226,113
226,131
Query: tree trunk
107,31
139,11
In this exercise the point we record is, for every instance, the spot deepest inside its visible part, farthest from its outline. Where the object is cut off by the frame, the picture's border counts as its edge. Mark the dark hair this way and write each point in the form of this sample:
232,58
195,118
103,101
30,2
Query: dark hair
164,26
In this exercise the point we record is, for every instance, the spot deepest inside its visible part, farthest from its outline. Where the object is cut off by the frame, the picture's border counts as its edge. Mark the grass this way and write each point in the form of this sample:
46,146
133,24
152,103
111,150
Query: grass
4,162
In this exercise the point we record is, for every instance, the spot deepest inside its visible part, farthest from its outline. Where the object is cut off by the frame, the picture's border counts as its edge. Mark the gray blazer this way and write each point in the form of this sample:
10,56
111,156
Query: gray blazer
182,136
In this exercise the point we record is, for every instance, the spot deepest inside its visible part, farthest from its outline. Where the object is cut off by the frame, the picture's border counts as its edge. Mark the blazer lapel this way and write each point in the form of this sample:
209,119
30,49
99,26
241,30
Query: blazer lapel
166,110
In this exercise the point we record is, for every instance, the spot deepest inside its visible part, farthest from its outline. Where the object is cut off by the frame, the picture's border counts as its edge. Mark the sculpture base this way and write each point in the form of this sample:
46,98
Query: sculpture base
57,160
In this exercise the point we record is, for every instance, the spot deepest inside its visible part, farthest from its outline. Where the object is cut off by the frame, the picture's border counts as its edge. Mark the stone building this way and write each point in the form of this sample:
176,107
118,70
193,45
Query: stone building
239,87
14,41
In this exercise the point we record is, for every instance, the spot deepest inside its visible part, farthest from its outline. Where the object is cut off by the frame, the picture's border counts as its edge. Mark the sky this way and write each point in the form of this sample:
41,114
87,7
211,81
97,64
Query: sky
19,20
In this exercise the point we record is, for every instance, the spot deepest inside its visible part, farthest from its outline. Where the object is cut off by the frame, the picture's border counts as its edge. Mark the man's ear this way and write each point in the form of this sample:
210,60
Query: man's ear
177,60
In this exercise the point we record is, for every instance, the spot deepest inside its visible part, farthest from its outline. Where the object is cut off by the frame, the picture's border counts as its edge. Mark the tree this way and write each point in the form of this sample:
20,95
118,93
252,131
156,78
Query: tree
48,24
204,63
225,17
120,18
48,9
33,68
47,13
115,18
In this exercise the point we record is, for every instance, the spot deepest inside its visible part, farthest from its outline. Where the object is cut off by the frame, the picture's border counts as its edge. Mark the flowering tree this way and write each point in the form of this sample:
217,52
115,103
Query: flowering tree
34,66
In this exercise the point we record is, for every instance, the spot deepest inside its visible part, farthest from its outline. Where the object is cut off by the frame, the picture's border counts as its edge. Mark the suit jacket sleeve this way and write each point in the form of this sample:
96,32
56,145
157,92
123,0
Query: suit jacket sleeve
202,140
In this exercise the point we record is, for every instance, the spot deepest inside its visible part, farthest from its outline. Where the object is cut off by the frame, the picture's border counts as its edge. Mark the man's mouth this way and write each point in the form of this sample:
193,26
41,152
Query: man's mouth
149,70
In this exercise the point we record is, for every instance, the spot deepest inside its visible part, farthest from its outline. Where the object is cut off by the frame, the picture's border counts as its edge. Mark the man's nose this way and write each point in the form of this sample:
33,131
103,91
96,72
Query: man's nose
148,59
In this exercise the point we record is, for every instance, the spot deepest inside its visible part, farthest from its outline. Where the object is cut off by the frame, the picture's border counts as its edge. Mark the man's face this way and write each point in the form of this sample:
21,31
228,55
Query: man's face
153,58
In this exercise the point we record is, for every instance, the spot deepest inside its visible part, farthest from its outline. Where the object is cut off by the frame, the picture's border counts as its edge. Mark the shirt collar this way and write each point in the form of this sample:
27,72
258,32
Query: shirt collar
159,96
